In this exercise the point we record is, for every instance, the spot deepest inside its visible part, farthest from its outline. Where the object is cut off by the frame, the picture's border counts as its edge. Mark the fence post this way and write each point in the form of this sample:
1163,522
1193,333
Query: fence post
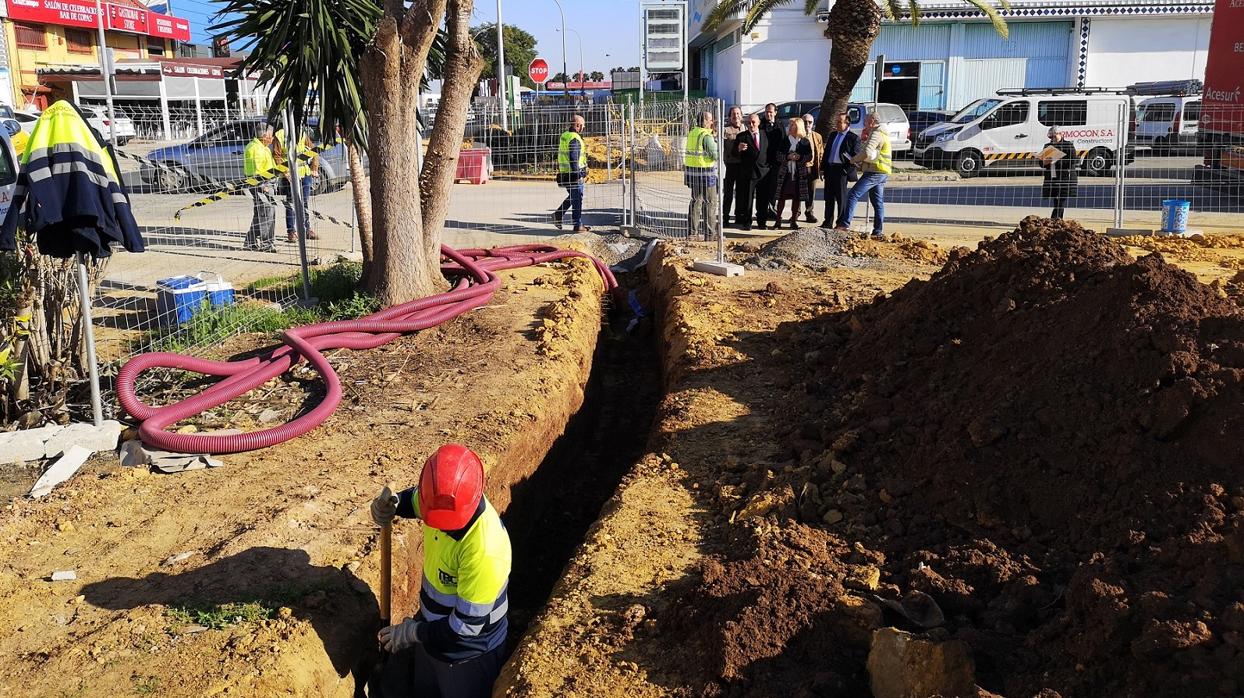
1120,177
608,142
198,107
88,334
292,146
634,175
721,155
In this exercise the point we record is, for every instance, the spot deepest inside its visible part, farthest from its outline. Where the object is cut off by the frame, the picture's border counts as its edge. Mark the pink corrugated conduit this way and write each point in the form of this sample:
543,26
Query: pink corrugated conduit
476,281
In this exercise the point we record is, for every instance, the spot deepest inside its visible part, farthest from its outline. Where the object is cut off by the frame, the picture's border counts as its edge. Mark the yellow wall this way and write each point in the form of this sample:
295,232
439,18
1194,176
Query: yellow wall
23,61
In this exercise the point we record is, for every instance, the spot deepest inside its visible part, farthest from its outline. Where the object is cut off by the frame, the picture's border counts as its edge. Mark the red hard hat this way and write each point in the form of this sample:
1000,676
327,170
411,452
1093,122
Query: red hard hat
450,487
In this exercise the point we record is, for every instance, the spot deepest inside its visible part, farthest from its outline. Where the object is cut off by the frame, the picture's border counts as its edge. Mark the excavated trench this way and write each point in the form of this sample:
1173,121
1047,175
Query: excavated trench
551,511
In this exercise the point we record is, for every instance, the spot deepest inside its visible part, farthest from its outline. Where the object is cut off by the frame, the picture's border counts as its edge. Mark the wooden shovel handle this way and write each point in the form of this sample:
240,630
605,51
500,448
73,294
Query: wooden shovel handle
386,573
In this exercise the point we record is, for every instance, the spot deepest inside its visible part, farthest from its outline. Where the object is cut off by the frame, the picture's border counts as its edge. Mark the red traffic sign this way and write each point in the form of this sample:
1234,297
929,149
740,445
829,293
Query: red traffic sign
538,71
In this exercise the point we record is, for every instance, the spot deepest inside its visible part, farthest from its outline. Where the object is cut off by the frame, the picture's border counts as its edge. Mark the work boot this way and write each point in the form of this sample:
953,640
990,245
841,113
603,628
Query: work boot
291,236
557,220
582,229
312,236
794,225
810,218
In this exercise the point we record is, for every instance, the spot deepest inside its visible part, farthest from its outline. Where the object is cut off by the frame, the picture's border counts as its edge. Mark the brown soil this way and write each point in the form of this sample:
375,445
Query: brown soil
1039,438
286,529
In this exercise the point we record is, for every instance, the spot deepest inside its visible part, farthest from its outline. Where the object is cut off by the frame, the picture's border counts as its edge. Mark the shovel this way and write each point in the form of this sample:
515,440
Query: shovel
386,600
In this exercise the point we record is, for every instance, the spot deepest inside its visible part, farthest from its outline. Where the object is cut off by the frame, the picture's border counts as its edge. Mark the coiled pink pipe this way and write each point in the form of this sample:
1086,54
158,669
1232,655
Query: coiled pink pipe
476,283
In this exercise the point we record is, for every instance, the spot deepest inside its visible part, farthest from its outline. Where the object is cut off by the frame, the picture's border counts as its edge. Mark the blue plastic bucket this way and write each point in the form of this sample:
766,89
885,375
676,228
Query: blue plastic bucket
1175,216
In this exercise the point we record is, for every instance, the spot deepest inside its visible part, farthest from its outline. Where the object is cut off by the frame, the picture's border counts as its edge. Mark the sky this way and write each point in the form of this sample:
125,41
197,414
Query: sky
609,28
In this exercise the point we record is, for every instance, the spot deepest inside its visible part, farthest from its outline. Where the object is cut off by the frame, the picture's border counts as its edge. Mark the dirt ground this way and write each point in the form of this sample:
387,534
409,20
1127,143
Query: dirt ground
259,578
714,571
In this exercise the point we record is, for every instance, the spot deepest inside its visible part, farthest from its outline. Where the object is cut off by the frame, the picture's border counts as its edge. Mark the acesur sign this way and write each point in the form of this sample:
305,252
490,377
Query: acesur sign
538,71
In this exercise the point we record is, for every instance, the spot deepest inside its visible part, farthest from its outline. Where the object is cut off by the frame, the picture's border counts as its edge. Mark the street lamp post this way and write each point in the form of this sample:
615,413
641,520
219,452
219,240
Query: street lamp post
565,71
582,90
501,77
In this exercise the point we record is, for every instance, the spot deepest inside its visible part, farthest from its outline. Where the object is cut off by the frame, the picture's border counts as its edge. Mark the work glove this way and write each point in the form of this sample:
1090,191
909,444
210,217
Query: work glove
395,638
384,507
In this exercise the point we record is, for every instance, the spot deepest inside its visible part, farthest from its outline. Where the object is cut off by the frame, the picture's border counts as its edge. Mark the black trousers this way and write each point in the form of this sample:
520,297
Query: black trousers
835,193
767,189
411,673
1060,203
734,193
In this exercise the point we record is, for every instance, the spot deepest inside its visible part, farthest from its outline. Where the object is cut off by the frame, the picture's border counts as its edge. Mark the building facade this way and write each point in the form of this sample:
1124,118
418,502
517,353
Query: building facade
955,56
47,40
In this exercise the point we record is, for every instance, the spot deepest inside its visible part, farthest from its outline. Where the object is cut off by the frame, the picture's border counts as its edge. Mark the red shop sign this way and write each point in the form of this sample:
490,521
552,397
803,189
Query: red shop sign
168,27
125,18
67,13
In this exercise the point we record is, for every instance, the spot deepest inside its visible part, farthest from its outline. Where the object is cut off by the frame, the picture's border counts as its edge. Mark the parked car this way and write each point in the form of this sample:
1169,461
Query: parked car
1166,123
791,110
893,120
97,117
1008,131
924,118
219,154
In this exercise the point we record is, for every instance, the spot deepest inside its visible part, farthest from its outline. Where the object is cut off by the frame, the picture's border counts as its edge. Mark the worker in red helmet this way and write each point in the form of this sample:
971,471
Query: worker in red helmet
455,644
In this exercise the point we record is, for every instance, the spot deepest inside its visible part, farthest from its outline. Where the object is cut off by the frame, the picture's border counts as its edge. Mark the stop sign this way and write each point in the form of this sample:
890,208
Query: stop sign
538,71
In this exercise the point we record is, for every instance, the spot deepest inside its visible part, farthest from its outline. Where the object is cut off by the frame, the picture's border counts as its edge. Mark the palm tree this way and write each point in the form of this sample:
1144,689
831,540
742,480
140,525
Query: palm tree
364,61
853,27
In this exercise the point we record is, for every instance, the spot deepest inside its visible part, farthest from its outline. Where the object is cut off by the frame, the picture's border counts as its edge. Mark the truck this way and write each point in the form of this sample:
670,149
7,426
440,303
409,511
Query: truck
1221,133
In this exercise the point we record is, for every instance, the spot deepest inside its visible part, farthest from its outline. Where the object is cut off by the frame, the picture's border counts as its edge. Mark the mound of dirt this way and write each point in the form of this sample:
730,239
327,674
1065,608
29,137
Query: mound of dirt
819,249
1056,424
1043,438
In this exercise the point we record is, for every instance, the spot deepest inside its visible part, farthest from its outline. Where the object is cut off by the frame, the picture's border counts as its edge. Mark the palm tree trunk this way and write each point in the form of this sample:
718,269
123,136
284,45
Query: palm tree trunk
362,204
463,65
853,27
406,264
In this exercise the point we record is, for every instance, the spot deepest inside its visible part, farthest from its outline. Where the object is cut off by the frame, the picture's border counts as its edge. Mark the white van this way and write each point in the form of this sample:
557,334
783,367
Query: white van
1011,129
1166,123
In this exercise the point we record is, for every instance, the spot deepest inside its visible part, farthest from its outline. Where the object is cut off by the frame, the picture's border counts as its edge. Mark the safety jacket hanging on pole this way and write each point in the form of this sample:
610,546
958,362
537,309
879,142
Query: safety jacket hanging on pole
69,193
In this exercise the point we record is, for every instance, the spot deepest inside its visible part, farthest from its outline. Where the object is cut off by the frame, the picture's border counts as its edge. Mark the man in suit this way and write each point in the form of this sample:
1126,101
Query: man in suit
840,150
818,165
752,146
736,177
776,157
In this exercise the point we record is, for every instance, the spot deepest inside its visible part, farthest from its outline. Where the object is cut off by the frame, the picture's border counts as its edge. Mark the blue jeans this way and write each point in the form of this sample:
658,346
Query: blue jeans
574,201
872,185
290,224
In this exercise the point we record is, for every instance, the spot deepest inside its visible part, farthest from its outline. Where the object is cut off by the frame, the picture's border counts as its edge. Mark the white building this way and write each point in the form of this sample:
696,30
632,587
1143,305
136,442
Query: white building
955,56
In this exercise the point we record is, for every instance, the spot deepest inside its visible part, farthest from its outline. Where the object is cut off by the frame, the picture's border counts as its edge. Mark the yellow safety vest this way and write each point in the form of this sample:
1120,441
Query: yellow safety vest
258,158
304,168
696,154
884,164
563,153
465,583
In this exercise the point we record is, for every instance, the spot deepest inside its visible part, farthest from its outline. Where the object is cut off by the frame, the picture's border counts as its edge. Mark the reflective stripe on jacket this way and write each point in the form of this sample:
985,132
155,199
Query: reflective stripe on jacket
305,153
69,195
564,155
463,597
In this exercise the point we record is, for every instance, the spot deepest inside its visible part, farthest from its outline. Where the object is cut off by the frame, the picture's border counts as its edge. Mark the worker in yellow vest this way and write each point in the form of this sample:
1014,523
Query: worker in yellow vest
259,161
572,174
700,173
308,172
876,165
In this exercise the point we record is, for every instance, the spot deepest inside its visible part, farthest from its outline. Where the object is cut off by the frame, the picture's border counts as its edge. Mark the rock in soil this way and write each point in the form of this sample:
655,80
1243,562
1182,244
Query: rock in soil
903,665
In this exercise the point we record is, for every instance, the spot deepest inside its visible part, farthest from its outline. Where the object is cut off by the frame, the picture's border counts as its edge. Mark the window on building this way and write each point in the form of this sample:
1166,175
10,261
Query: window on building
155,47
1063,112
1011,114
30,37
79,41
1192,111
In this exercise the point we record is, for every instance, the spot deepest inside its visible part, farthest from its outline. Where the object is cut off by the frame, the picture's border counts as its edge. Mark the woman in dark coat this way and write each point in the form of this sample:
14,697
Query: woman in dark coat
796,168
1061,174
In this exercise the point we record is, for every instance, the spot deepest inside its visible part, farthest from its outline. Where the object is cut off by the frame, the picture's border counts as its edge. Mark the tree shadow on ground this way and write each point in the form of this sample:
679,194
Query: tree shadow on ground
340,607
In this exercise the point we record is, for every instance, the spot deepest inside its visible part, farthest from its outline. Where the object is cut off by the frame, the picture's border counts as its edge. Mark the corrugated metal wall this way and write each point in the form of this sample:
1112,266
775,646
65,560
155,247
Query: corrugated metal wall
903,42
1044,48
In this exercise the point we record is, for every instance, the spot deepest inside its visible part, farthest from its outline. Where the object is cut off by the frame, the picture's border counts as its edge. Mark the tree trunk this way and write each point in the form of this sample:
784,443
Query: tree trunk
405,265
362,205
853,27
463,65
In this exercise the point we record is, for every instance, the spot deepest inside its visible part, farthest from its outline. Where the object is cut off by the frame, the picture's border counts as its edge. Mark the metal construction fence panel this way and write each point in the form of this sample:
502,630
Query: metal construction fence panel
221,258
657,146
